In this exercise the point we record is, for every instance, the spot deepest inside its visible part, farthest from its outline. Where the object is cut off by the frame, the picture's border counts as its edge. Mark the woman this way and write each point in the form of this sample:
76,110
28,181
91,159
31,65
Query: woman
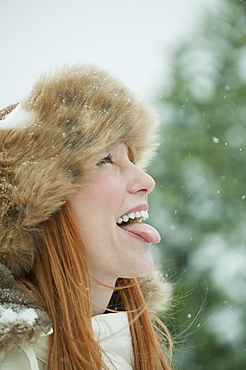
72,240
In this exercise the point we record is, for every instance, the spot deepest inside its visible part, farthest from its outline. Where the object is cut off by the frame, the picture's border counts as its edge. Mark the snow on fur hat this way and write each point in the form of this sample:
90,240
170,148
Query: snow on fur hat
51,141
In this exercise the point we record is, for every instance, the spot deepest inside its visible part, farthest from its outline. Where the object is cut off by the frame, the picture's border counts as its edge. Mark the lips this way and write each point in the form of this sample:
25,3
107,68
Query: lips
144,231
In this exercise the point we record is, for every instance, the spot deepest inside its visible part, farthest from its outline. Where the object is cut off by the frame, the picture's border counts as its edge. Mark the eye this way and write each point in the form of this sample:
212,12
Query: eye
106,160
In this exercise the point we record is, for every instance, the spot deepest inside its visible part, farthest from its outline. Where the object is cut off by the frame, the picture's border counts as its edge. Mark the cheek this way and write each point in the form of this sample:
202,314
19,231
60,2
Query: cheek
105,193
100,196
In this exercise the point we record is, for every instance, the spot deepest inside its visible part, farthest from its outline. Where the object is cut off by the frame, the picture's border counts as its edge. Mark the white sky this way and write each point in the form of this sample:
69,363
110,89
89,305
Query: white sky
130,38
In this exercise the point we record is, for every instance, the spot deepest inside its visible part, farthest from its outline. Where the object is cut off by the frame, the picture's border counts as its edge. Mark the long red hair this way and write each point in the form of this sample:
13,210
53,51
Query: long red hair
60,281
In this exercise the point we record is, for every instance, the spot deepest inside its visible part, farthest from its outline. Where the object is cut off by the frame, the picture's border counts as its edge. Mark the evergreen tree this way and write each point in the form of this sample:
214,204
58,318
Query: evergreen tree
200,197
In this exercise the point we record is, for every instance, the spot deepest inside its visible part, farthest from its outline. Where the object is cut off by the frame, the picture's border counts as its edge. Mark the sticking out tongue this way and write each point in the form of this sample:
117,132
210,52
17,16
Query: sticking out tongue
145,231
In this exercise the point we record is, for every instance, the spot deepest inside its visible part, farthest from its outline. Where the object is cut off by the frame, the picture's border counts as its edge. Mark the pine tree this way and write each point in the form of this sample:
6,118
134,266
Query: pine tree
200,197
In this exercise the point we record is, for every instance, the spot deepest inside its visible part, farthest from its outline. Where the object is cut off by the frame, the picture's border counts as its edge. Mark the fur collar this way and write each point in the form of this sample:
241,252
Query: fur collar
22,320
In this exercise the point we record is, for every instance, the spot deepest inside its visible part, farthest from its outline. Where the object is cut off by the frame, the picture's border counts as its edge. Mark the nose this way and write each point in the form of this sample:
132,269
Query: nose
141,181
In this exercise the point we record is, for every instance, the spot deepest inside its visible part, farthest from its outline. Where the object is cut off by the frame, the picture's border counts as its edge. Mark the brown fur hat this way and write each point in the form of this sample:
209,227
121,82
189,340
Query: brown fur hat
51,141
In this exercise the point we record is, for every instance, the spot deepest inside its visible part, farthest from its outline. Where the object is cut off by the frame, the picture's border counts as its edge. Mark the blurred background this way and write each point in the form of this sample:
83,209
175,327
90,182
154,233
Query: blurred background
188,59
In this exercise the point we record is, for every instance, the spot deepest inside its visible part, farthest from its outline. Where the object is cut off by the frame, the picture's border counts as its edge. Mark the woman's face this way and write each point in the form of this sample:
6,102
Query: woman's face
113,193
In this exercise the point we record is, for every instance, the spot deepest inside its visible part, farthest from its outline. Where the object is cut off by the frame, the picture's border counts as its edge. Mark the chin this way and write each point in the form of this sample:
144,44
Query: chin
140,269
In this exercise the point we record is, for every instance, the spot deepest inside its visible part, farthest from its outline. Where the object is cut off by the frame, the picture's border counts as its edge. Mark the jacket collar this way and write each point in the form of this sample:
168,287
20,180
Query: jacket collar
23,321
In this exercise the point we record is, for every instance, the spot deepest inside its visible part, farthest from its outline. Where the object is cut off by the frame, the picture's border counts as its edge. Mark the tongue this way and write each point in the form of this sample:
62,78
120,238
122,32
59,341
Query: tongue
147,232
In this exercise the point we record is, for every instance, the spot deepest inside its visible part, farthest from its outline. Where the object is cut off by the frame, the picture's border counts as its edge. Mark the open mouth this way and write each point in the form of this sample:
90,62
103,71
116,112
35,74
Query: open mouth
132,224
138,216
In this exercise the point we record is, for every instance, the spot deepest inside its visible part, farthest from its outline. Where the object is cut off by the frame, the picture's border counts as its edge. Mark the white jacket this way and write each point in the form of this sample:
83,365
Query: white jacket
111,330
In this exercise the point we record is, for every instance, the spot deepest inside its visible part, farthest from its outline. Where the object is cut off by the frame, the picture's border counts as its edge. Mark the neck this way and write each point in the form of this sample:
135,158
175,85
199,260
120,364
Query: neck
100,297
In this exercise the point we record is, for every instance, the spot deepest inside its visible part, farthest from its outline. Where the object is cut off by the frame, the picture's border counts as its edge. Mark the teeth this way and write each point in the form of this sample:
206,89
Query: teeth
125,218
137,216
119,221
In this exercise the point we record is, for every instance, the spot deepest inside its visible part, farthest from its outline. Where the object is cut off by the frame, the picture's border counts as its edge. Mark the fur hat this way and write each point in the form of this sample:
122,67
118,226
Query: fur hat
50,142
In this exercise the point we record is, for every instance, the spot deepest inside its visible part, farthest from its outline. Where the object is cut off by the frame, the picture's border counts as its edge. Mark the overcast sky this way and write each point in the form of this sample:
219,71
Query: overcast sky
130,38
